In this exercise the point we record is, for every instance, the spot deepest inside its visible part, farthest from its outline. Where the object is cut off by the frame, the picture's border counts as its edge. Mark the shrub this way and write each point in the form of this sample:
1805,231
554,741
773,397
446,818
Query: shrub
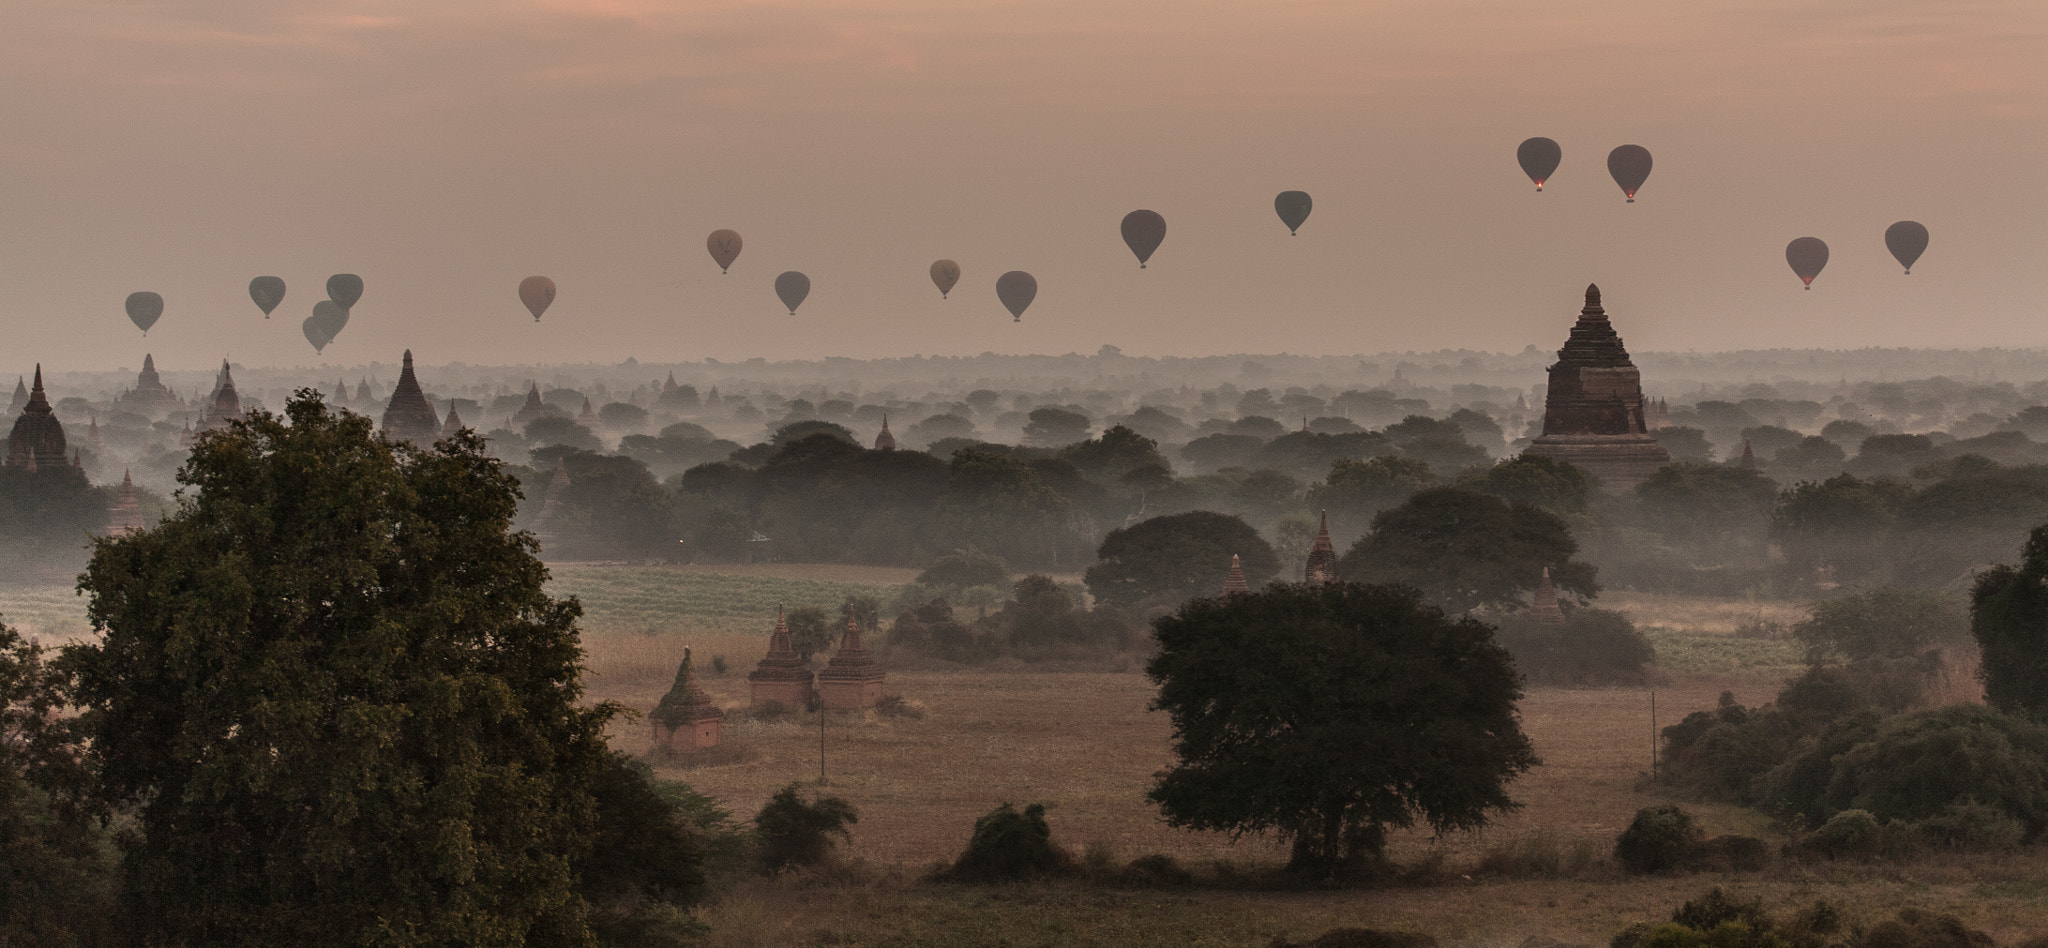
1659,839
1715,920
1882,623
1735,853
1157,870
1362,938
718,664
1914,928
1591,647
795,833
1850,834
1920,765
1010,844
894,706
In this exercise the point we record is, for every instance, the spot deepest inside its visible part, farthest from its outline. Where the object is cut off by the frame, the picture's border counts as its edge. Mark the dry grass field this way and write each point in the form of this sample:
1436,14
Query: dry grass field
1085,744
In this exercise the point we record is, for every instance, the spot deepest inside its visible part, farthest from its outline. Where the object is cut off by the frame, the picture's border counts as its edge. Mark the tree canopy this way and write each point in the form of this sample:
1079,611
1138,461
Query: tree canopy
1329,713
1465,549
338,700
2009,617
1174,558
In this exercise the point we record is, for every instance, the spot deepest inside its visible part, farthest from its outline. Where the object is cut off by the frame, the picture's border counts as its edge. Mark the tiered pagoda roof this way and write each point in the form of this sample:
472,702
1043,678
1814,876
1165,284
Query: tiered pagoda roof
851,663
38,437
1322,557
409,416
1235,581
1593,415
885,441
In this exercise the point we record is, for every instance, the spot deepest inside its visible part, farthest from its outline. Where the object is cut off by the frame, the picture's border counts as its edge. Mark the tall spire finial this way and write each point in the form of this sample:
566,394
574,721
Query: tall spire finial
1592,296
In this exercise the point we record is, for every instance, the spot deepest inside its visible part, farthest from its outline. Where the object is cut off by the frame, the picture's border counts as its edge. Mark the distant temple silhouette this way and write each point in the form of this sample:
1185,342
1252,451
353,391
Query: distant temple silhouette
38,437
409,416
1593,416
149,398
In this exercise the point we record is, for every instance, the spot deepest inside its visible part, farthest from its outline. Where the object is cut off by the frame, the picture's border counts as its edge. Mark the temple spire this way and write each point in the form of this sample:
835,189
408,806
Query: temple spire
1546,607
1322,556
1748,462
37,401
1235,582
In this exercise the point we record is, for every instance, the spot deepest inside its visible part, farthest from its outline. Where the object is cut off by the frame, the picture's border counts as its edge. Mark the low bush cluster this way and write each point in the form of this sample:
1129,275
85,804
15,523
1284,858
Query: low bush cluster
1042,620
1009,844
1591,647
1667,839
1718,920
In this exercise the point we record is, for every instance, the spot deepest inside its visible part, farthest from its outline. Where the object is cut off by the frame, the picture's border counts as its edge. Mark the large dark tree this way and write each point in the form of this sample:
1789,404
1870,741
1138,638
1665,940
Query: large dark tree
1174,558
2009,616
1329,713
1466,549
338,700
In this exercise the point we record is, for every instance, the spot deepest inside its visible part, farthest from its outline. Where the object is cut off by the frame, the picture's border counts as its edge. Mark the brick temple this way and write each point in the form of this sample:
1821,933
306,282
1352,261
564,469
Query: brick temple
686,720
409,416
1593,417
851,681
781,678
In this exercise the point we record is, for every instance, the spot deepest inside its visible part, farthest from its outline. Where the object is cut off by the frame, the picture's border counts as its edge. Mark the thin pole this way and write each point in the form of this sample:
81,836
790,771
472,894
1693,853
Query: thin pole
1653,738
821,739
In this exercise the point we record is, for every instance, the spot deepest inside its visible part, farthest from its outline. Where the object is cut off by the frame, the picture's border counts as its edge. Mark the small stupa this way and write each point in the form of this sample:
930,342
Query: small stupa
781,678
452,424
1322,557
125,515
1234,582
409,416
20,396
1545,608
586,417
558,488
1748,462
851,681
1593,414
38,437
885,441
686,721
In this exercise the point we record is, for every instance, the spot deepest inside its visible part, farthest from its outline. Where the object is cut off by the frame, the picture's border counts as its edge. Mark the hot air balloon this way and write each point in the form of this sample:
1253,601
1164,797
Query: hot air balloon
326,322
537,292
1630,166
945,273
345,289
724,246
1907,241
1293,208
144,308
1017,289
792,287
1539,158
267,292
1143,230
1807,255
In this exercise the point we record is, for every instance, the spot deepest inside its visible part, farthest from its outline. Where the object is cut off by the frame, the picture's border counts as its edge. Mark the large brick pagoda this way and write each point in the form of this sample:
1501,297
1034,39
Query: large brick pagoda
1593,415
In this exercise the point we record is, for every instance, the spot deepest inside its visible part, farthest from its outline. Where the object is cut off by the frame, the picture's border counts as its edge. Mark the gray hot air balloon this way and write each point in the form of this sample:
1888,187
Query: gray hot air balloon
1539,158
1016,289
144,309
1807,255
945,273
537,292
792,287
1293,208
345,289
1630,166
1143,231
1907,240
327,321
267,291
724,246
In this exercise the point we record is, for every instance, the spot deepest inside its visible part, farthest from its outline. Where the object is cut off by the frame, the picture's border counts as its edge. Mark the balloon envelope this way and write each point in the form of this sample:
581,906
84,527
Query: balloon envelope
1630,166
1807,255
1539,158
792,287
1907,240
326,322
345,289
1293,208
1016,289
267,292
536,292
1143,230
945,273
144,309
724,246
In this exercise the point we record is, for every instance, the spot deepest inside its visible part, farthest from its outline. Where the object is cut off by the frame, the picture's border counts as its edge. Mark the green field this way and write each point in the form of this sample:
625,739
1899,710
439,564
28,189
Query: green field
653,600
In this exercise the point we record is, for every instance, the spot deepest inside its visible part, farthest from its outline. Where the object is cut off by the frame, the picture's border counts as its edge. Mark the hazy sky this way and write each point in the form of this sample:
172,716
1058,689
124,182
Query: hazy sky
445,149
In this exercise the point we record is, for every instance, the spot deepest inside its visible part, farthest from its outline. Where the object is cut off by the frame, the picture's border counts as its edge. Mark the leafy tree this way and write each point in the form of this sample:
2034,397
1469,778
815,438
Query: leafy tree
1590,647
1174,558
1813,459
1479,428
1918,766
1465,549
1840,523
1536,480
795,832
1330,713
1117,452
1882,623
963,568
2009,617
1009,844
1310,453
555,429
1156,423
993,501
45,516
1659,839
622,416
56,874
645,860
338,700
1357,491
1846,431
613,507
1052,427
1684,443
811,630
941,427
1221,450
799,430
